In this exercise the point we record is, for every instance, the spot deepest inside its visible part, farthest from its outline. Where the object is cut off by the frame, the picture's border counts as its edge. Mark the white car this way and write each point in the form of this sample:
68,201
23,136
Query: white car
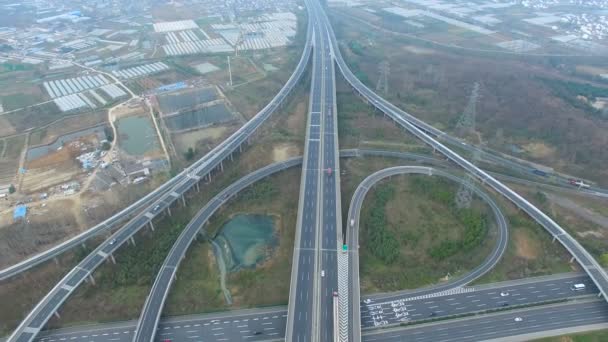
322,273
367,301
504,294
518,319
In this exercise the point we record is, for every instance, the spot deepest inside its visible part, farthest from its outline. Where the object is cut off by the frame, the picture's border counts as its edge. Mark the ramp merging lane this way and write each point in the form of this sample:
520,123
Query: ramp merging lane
42,312
150,316
379,318
407,121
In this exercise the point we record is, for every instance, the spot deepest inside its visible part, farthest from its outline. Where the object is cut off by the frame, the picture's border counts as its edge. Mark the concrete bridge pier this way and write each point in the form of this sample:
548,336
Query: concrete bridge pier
151,226
56,313
184,200
169,211
91,279
132,240
198,186
222,166
112,258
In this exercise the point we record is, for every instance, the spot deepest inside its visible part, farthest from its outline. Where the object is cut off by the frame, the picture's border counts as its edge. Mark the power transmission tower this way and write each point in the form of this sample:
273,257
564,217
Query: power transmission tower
466,123
464,195
382,84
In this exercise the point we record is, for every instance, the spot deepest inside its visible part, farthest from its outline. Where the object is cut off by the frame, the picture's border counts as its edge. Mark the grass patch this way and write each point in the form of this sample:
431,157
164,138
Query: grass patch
592,336
15,101
14,147
266,284
418,246
530,251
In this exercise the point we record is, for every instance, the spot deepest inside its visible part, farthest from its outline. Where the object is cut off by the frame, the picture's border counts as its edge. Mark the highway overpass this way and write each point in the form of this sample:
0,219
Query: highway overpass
412,125
190,177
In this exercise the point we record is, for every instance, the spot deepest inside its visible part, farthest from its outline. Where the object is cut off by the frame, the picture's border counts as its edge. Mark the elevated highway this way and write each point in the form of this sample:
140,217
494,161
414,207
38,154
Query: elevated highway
190,177
422,131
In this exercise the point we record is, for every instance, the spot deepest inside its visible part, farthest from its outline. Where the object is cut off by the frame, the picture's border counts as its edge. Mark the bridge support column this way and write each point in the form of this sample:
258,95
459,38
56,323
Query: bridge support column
91,279
184,200
84,246
113,259
198,187
240,148
554,238
56,313
221,166
571,259
169,211
56,260
132,240
151,226
231,159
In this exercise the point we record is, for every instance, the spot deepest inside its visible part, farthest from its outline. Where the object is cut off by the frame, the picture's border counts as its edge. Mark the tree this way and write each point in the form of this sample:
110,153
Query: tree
541,197
604,259
189,155
106,146
11,189
109,133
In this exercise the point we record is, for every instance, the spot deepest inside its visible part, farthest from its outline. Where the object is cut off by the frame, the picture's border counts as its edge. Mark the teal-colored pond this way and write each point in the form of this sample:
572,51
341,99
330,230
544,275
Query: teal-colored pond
247,240
136,135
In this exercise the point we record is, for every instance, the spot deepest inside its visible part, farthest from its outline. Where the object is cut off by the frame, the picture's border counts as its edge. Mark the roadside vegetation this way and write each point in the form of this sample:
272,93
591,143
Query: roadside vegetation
548,110
413,235
586,225
197,288
593,336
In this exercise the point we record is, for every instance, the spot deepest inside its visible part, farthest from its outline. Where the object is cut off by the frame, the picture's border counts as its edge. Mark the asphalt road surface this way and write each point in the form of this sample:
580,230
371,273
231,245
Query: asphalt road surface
304,271
480,298
508,324
411,124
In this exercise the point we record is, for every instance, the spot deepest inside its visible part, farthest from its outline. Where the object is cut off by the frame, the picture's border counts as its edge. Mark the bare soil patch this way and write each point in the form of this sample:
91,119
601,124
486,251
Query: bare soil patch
527,248
6,128
284,151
